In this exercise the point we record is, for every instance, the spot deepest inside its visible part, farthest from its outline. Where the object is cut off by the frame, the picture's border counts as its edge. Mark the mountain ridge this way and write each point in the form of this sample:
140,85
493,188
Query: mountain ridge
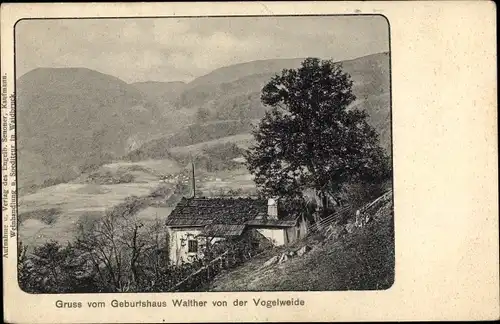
71,118
285,61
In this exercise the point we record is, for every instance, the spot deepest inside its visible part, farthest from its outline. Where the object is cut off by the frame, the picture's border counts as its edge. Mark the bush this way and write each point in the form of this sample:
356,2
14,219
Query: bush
223,151
88,219
52,268
358,194
161,191
47,216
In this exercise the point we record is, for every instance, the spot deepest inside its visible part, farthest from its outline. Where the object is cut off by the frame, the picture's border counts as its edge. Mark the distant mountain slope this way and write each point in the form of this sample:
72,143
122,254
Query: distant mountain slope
233,92
71,118
161,92
237,71
212,89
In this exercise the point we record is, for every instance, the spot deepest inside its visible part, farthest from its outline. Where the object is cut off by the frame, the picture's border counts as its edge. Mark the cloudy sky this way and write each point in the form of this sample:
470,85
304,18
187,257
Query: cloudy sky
171,49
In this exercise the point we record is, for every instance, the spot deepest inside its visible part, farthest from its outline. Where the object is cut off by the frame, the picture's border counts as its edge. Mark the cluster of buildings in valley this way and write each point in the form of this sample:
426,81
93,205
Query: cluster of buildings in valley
184,178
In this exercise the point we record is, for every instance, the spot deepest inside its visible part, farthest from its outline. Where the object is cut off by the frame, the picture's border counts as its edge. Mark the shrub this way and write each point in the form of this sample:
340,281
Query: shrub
52,268
358,194
161,191
48,216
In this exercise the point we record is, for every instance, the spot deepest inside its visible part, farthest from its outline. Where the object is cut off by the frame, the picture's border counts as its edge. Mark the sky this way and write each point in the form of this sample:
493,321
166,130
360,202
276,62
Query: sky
181,49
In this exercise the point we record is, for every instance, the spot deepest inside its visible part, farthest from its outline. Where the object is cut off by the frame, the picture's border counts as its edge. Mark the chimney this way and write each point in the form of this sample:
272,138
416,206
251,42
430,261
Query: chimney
272,208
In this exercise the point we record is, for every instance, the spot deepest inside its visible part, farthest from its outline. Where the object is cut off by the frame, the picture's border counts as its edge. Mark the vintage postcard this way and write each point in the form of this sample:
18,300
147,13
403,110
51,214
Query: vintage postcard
228,162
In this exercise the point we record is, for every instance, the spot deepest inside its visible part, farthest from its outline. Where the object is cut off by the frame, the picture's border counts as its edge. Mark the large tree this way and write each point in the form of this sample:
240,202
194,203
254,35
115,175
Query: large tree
311,138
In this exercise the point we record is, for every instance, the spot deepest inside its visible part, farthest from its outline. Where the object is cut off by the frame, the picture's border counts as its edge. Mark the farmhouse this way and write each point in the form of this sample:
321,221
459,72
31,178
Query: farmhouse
198,222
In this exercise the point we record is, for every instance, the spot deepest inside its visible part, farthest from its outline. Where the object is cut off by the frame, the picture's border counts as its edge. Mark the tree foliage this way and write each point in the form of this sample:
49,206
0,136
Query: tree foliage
202,115
311,138
53,268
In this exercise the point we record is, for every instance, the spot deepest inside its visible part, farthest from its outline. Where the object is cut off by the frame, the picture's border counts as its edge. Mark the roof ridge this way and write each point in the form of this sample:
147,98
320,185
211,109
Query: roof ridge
223,210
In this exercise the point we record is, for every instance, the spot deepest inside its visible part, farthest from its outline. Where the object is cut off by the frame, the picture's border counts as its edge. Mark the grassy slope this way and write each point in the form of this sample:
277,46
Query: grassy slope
362,260
242,140
192,134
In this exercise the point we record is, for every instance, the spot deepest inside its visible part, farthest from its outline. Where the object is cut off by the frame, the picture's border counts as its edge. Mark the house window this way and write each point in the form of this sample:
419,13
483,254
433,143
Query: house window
193,246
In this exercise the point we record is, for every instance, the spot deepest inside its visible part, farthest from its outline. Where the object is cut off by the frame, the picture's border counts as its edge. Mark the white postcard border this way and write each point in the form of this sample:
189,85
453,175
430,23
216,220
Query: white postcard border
445,172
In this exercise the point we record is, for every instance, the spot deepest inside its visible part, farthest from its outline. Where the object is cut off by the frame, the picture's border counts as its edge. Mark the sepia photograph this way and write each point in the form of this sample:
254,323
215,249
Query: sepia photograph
326,161
204,154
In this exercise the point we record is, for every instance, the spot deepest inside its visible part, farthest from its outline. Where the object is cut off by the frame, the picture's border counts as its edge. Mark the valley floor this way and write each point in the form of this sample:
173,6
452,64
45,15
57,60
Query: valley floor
53,213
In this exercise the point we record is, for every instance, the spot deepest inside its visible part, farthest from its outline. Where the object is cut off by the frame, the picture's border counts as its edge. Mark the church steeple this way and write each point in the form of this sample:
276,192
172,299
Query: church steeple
193,180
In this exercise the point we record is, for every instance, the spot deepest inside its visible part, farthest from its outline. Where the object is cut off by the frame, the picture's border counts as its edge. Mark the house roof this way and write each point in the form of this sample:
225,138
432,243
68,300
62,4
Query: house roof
222,230
225,211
